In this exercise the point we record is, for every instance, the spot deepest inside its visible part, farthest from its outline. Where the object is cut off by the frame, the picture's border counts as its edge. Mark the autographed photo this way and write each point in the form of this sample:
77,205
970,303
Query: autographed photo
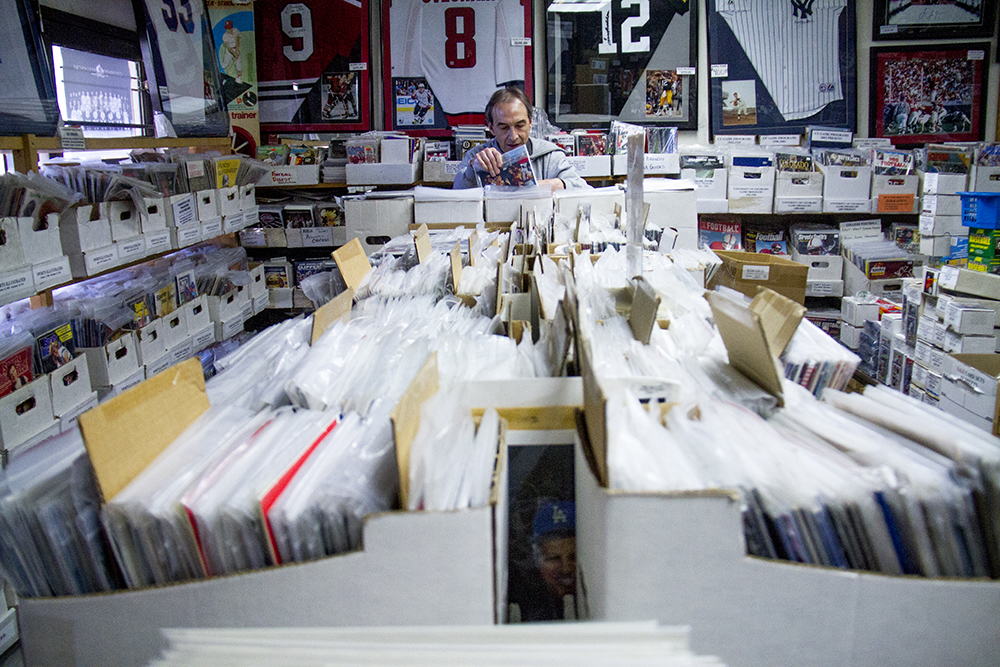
628,60
777,67
924,94
933,19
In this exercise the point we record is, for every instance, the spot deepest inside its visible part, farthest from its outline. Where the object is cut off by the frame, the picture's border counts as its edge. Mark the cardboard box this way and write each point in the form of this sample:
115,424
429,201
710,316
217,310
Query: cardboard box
257,285
92,262
70,386
203,338
969,344
450,210
856,281
934,183
984,179
8,629
384,174
39,245
114,362
713,189
159,242
229,201
746,271
794,185
124,220
181,210
123,385
207,202
228,328
182,351
16,284
52,273
130,250
150,342
855,313
751,189
938,225
935,246
848,184
676,206
850,336
944,300
931,331
652,163
965,319
251,216
972,383
248,196
173,329
895,194
25,413
591,166
69,420
930,357
182,237
260,302
211,228
972,283
602,200
196,313
941,205
153,216
83,228
821,267
441,172
158,366
373,221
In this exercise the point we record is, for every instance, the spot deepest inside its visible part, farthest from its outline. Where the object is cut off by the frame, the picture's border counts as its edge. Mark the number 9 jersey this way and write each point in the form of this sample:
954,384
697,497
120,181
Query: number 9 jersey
297,42
462,47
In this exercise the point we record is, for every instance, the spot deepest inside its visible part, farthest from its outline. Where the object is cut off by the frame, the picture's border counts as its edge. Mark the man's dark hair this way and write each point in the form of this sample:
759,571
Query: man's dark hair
506,96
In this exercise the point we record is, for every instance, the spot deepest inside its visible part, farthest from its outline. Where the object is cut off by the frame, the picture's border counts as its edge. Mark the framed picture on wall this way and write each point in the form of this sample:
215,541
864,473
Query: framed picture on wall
178,51
933,19
312,65
924,93
629,60
443,61
778,67
27,85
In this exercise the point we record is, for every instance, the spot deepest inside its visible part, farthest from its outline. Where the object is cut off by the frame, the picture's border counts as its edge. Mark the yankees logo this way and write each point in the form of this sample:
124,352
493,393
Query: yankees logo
802,9
826,87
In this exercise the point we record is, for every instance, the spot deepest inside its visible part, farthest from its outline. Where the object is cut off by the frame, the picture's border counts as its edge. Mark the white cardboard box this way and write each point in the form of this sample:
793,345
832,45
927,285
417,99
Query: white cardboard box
68,420
846,183
211,228
821,267
233,222
207,202
226,329
150,342
158,242
257,285
972,383
83,228
16,284
602,200
934,183
591,165
967,319
92,262
203,338
158,365
125,222
935,246
25,413
939,225
895,194
384,174
850,335
680,559
153,216
985,179
441,172
196,313
11,249
181,210
173,329
931,357
941,204
798,184
847,205
855,313
8,629
43,244
461,211
52,273
652,163
375,220
248,196
70,386
114,362
260,302
106,392
221,308
675,207
751,189
955,343
182,237
714,188
181,351
251,216
856,281
229,201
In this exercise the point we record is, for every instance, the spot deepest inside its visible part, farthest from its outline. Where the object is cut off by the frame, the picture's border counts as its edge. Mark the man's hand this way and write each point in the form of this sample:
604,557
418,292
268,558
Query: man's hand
555,183
490,159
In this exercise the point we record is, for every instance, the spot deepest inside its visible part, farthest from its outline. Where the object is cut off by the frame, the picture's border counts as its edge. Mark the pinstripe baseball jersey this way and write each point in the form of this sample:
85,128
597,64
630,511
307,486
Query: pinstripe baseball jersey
794,46
462,47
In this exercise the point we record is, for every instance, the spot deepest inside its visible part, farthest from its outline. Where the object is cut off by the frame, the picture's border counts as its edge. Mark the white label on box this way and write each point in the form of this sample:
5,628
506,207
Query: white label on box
253,238
889,29
657,161
317,236
838,136
358,67
750,191
188,235
183,211
16,283
52,273
520,41
720,72
132,249
282,176
756,272
780,139
128,383
687,71
931,184
820,287
977,54
803,205
949,277
736,139
204,339
180,352
247,310
210,230
848,206
158,242
873,142
103,260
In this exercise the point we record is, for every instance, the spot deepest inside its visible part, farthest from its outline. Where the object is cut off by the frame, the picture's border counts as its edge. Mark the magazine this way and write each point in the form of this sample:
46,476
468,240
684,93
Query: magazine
719,235
56,347
768,242
796,162
892,163
15,370
515,171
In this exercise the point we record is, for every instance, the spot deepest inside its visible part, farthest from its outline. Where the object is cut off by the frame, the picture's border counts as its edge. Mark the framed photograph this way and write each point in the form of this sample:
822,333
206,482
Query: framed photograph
933,19
460,53
28,102
778,67
178,50
627,60
312,66
922,94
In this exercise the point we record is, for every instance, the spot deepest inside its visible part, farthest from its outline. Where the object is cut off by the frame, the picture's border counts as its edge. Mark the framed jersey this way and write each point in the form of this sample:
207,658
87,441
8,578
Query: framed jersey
778,66
445,58
312,65
28,101
179,54
629,60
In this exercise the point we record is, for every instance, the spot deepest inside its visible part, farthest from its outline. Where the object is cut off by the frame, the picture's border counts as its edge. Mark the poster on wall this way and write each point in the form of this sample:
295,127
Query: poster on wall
178,50
777,67
444,60
27,85
629,60
232,27
312,72
98,89
929,94
933,19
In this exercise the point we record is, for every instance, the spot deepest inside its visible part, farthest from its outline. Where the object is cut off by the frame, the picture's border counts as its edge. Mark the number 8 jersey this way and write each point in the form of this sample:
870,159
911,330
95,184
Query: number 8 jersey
462,47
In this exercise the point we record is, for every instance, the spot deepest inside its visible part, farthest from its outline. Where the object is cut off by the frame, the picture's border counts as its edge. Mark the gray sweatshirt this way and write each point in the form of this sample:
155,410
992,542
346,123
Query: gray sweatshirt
547,161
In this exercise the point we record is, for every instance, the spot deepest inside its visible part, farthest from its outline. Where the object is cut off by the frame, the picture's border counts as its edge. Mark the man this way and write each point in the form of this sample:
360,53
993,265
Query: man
422,102
229,57
548,591
508,117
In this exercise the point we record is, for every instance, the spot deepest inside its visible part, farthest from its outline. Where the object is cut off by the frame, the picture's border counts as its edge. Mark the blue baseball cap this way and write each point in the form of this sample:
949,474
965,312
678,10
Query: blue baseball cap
554,516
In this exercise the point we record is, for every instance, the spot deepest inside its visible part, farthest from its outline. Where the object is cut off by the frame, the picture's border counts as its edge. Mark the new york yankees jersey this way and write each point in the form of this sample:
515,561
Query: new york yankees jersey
794,46
462,47
296,43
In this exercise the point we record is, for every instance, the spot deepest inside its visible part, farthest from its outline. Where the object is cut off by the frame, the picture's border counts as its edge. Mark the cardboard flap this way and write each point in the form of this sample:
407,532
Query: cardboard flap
352,262
473,239
337,309
780,317
645,304
422,239
406,420
746,342
125,434
456,265
595,417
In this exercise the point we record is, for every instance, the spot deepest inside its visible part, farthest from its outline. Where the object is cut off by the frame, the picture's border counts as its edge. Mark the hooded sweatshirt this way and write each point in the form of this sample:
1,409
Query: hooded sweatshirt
547,161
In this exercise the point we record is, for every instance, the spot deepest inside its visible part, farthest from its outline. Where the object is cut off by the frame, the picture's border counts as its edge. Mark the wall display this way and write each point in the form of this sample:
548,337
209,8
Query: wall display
97,89
630,60
922,94
778,66
179,53
933,19
233,29
313,65
28,98
443,60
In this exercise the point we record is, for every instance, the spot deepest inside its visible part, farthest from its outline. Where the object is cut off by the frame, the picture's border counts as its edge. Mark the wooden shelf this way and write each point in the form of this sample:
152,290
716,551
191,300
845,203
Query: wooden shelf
27,147
11,143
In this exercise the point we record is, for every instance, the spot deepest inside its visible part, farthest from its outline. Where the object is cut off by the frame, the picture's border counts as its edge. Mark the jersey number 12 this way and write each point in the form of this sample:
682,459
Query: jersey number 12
629,45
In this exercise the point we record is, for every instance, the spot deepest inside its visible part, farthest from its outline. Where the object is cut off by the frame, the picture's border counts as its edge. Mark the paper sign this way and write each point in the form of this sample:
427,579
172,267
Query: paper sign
876,142
422,239
456,264
977,54
720,71
687,71
253,238
756,272
520,41
183,211
358,67
901,203
949,277
338,309
780,139
834,136
736,139
317,237
71,138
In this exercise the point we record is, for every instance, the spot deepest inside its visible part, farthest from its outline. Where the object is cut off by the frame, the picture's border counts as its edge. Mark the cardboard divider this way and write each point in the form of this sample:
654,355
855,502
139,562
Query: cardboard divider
352,262
406,419
337,309
422,239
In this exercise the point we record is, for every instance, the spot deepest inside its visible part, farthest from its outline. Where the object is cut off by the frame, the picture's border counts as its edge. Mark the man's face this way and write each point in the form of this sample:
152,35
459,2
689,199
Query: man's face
510,125
558,565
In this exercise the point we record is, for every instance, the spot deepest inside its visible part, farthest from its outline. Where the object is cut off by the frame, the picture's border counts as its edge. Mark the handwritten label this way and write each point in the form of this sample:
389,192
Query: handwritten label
756,272
358,67
720,71
687,71
313,237
253,238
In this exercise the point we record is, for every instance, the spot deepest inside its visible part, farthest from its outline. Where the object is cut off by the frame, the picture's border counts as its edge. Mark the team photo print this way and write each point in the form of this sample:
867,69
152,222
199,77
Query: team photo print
414,102
922,94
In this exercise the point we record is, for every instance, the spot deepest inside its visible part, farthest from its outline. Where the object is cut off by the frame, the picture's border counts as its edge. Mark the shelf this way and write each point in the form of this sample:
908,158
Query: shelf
11,143
27,147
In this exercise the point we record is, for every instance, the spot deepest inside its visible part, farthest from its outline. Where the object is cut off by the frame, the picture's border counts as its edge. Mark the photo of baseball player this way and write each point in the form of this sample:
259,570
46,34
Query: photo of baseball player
739,103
